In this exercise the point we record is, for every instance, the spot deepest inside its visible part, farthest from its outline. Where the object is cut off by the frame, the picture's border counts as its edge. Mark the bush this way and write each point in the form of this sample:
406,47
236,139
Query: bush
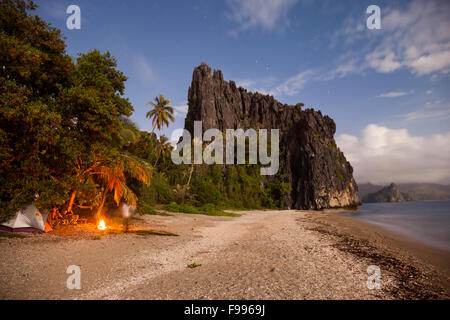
159,191
145,208
205,191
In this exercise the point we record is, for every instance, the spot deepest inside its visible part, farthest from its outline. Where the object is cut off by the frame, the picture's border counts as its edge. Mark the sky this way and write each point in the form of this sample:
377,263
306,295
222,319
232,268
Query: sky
387,89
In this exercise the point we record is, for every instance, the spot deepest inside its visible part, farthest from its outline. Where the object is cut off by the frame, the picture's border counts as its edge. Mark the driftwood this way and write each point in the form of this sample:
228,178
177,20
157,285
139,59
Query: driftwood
67,218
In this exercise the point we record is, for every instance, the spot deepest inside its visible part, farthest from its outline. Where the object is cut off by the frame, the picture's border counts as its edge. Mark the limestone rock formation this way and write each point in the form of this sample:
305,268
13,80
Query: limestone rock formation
317,170
390,193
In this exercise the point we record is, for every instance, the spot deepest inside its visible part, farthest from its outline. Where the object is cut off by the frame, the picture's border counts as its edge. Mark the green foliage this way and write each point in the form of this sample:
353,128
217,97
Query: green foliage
298,105
339,174
342,159
60,121
159,191
205,191
144,208
193,265
33,147
65,131
127,135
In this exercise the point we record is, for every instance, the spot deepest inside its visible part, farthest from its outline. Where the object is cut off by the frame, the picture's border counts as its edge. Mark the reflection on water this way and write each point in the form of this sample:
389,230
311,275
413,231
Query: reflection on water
424,221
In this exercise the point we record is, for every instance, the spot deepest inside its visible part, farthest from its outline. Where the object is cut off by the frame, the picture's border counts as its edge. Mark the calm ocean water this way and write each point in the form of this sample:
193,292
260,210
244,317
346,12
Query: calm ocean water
424,221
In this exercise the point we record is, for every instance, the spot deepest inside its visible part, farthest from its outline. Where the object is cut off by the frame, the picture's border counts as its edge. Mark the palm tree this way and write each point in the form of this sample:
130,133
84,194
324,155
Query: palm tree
161,112
162,147
113,178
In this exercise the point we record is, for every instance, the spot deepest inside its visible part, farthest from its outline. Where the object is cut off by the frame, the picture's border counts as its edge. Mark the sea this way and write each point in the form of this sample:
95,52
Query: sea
427,222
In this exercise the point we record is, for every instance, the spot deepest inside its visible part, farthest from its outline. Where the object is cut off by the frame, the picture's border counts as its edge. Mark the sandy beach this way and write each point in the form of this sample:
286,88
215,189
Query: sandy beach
259,255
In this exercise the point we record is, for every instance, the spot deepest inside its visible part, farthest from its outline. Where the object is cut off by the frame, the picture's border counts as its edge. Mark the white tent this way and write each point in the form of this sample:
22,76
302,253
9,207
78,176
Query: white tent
27,219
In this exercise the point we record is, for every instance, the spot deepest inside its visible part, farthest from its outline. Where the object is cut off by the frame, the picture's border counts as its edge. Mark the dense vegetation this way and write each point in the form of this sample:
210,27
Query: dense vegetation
66,140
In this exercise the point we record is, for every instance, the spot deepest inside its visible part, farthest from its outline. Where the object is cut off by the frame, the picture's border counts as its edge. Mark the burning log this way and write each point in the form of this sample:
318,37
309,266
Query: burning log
101,225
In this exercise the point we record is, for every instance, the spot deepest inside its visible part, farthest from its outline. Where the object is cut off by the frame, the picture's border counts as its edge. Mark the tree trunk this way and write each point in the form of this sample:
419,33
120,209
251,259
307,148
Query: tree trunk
102,203
190,175
156,162
188,182
72,200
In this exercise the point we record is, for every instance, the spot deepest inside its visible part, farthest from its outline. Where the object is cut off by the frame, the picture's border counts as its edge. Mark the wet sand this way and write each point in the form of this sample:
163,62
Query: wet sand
260,255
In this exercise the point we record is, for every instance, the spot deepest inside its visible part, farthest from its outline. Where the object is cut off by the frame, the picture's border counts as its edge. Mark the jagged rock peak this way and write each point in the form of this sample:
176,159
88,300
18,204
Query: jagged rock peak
391,193
317,170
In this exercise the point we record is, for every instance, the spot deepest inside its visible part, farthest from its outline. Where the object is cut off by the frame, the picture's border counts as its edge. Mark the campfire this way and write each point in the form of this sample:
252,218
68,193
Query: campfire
101,225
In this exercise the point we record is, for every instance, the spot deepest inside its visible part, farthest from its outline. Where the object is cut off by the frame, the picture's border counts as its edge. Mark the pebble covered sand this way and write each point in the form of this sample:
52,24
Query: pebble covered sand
259,255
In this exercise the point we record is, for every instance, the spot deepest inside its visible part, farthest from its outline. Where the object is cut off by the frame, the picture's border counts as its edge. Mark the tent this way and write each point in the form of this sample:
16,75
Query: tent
29,219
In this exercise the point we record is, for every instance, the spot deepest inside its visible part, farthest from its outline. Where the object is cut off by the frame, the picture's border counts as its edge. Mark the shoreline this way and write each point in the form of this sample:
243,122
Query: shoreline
260,255
426,261
423,249
409,226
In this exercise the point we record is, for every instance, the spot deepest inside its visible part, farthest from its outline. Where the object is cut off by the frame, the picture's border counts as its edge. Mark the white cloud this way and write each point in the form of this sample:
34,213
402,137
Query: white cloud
384,155
414,37
289,87
180,110
427,114
417,37
265,14
294,84
143,68
261,85
351,30
395,94
384,62
431,62
246,83
343,69
431,111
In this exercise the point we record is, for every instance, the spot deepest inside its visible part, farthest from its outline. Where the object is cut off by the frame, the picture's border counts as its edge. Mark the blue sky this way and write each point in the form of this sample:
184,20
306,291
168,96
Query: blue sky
387,90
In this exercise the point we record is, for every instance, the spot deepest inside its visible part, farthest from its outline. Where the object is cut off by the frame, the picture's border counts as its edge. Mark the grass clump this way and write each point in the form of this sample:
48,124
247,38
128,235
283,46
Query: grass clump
145,208
193,265
206,209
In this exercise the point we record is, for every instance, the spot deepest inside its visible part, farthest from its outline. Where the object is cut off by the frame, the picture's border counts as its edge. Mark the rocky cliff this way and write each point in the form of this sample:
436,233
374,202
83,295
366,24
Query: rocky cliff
414,191
316,169
390,193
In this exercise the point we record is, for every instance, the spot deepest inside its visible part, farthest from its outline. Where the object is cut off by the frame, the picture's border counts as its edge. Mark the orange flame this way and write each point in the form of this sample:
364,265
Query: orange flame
101,225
